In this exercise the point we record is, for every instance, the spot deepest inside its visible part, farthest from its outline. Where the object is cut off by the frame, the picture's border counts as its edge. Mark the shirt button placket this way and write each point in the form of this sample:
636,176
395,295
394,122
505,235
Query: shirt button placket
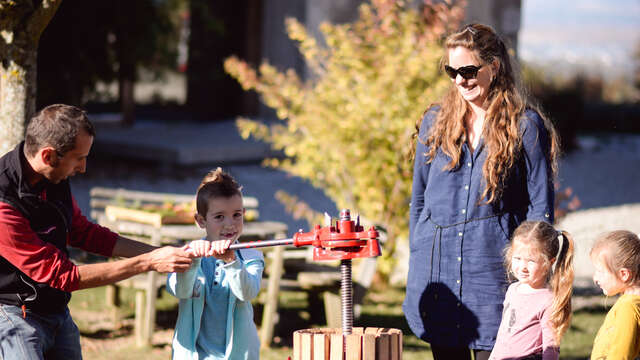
459,261
464,217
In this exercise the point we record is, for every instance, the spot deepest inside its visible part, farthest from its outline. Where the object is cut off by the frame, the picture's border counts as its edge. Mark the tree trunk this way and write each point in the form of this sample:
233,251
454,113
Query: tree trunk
126,56
21,24
219,29
17,95
127,100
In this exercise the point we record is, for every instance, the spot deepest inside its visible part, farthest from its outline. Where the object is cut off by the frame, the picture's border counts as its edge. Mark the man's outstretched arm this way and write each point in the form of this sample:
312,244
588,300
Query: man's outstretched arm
165,259
127,248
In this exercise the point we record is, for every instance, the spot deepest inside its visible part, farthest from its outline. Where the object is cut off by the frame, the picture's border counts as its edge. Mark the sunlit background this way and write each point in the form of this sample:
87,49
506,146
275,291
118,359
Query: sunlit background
598,37
597,40
150,74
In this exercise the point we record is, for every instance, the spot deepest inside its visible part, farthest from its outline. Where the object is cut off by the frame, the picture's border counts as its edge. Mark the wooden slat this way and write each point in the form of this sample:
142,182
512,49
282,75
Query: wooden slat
398,332
297,345
306,340
321,346
382,347
354,347
120,193
368,347
337,346
120,213
393,346
116,193
371,330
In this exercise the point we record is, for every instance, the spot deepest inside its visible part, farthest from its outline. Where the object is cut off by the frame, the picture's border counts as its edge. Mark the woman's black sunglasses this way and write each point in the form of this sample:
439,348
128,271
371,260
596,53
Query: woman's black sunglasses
467,72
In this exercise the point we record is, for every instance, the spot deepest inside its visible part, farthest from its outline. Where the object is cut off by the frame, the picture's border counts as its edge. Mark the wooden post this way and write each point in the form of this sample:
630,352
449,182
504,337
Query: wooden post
139,318
112,300
332,308
271,304
361,344
150,308
148,313
111,296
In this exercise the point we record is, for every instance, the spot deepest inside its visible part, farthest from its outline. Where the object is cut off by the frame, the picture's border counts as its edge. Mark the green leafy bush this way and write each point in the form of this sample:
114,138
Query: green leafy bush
347,129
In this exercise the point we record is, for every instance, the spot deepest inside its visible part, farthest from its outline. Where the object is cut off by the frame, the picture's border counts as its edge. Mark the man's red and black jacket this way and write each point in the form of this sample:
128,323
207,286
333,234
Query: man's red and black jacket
36,225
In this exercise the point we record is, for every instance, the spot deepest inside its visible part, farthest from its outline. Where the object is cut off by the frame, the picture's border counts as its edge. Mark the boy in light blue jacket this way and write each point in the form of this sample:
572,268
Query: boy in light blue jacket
215,316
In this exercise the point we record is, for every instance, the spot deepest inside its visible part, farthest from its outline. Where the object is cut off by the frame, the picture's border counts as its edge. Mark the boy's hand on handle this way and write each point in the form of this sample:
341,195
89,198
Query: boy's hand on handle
170,259
200,248
220,250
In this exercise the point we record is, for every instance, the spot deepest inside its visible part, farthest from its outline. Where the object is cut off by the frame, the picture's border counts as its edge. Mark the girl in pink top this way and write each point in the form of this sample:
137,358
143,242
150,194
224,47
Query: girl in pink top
537,307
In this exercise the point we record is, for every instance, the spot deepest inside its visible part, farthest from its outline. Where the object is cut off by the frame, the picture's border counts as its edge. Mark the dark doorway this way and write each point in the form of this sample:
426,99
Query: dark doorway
218,30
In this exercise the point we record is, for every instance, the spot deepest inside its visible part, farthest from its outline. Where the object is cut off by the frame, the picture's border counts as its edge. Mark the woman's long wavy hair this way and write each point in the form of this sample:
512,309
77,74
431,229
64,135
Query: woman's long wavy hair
555,248
505,104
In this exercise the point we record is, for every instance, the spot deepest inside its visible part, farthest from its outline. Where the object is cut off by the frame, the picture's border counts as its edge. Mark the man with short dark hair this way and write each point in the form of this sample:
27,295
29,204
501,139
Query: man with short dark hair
38,219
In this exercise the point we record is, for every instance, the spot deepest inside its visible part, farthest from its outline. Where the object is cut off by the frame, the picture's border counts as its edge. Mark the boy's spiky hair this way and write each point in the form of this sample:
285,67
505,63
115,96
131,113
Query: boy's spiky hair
216,183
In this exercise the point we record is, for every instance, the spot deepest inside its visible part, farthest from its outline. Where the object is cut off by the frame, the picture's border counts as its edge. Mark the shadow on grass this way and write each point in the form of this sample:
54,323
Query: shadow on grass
594,309
166,319
102,334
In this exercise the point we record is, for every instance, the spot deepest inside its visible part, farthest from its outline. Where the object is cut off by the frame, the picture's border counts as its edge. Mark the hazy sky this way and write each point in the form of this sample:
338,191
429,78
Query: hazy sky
603,33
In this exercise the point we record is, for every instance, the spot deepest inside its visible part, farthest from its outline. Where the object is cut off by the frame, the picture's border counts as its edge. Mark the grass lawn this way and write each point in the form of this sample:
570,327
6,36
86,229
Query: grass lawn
101,340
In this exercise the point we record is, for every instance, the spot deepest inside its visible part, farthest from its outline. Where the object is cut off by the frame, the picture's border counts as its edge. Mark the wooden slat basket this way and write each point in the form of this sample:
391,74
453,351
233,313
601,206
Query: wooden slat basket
362,344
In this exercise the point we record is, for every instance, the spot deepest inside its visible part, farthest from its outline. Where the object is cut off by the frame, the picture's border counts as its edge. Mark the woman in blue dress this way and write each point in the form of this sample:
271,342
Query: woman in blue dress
485,161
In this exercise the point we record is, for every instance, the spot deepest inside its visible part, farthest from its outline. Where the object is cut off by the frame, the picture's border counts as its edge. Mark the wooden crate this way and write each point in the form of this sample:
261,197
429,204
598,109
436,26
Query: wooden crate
362,344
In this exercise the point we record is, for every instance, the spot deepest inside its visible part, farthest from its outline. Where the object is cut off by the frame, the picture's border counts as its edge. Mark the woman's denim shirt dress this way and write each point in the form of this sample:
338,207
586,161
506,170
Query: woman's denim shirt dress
457,280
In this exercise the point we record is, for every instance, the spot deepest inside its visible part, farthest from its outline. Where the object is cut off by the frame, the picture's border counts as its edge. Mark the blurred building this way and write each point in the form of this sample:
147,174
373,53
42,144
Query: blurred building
503,15
254,30
278,49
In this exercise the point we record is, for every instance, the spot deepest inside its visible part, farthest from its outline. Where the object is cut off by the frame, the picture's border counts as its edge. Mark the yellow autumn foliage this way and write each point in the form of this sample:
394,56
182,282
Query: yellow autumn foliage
347,128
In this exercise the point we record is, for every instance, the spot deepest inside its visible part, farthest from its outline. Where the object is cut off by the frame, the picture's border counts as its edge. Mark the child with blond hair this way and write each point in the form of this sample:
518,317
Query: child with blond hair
215,316
616,257
537,307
